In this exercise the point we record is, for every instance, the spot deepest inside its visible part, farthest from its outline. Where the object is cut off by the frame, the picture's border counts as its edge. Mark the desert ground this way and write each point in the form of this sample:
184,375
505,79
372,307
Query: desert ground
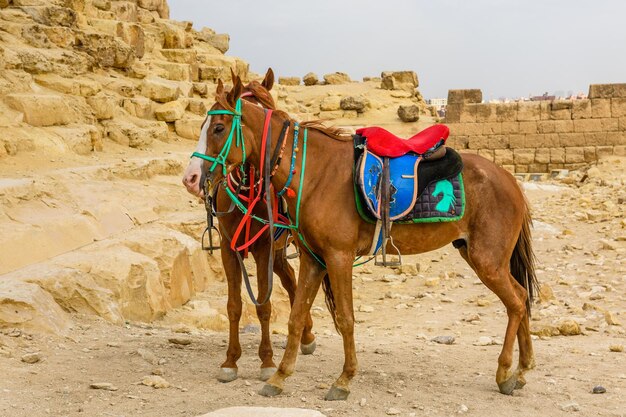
578,322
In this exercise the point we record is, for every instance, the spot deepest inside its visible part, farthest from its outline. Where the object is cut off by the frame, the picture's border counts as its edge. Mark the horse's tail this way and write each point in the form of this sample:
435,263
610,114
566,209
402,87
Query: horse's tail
330,301
523,259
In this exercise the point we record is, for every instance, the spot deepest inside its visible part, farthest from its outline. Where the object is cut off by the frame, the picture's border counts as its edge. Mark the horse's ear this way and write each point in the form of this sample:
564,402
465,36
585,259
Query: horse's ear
232,75
268,81
220,87
235,92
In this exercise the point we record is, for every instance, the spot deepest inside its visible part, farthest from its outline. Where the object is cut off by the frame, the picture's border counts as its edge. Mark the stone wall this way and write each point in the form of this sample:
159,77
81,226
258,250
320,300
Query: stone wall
539,136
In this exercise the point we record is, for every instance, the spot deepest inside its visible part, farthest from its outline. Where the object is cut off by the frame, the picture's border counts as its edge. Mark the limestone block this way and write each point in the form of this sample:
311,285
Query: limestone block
528,110
174,71
542,156
498,141
491,128
604,151
103,105
574,155
465,96
124,10
468,113
539,168
126,133
399,80
331,115
146,16
140,107
517,141
588,125
102,4
520,169
503,156
77,87
484,112
152,5
596,138
220,41
561,110
590,153
29,307
510,127
330,103
618,107
619,150
201,89
616,138
289,80
607,91
610,124
406,113
198,106
337,78
172,111
189,128
458,142
478,142
180,56
581,109
107,50
160,90
4,3
211,73
310,79
174,37
523,156
600,108
528,127
506,112
572,139
51,15
164,10
60,36
358,103
453,113
621,124
42,110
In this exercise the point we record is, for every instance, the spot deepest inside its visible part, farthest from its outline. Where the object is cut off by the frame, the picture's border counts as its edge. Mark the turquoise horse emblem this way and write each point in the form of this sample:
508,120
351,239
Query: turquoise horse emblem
447,201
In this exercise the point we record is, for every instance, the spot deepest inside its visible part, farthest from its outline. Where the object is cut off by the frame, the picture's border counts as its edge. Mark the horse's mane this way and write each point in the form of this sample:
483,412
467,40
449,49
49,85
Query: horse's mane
334,132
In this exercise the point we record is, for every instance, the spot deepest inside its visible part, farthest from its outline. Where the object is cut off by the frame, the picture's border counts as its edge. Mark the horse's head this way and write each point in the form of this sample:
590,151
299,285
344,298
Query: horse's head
220,124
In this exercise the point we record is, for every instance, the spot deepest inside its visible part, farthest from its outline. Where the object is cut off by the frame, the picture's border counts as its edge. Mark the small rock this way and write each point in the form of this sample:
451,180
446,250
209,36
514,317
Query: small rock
616,348
408,114
610,320
155,381
401,306
432,282
545,293
106,386
157,371
392,412
409,269
463,409
148,356
362,402
392,278
113,344
181,328
179,341
381,351
251,328
366,309
607,245
444,340
484,341
570,407
31,358
569,328
482,302
599,389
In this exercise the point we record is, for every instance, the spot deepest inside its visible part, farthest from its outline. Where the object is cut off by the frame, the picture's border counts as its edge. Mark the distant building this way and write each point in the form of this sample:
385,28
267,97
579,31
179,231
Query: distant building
544,97
437,102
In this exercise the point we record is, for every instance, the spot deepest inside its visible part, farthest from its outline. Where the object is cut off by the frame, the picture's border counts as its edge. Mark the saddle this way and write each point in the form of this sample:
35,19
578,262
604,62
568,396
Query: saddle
392,173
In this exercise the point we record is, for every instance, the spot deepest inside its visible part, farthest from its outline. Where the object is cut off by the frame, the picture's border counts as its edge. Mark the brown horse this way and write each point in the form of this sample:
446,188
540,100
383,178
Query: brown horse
493,236
260,251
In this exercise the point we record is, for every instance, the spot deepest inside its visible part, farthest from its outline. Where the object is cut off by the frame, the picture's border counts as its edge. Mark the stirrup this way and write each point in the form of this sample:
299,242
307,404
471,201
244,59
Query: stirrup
210,247
294,255
384,254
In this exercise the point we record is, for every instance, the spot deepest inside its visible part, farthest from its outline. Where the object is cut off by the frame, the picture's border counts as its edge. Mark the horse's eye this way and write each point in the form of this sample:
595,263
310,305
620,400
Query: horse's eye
218,128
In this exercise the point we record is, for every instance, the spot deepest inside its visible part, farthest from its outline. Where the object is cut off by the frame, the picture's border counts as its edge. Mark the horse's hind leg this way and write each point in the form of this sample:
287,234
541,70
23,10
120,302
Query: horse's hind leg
264,313
526,354
288,280
490,260
228,370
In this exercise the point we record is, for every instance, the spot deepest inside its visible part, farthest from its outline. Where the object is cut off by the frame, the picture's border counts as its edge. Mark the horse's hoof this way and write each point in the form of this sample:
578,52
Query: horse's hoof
509,385
336,393
266,373
521,381
308,349
227,374
269,390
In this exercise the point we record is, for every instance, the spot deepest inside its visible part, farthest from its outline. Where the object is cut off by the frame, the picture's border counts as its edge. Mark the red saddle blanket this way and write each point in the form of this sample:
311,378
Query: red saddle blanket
384,143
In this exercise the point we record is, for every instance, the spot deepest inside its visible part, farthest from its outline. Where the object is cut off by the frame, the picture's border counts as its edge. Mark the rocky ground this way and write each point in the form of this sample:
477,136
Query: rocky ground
578,324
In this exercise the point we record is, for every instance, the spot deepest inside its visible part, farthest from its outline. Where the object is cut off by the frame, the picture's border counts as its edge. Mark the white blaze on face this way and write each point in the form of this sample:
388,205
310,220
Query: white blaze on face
191,178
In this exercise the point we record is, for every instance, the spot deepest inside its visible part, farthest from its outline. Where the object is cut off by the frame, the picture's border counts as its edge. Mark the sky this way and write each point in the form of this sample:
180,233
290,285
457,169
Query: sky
507,48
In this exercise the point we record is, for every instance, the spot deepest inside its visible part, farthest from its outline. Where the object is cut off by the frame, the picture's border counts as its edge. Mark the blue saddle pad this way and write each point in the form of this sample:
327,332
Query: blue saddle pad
403,178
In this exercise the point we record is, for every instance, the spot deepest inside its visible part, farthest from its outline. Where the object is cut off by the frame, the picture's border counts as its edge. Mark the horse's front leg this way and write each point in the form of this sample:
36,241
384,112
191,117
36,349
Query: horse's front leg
264,312
309,280
340,275
228,370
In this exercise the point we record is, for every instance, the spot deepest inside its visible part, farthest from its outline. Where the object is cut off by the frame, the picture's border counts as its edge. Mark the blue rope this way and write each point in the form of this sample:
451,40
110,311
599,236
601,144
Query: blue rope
296,131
